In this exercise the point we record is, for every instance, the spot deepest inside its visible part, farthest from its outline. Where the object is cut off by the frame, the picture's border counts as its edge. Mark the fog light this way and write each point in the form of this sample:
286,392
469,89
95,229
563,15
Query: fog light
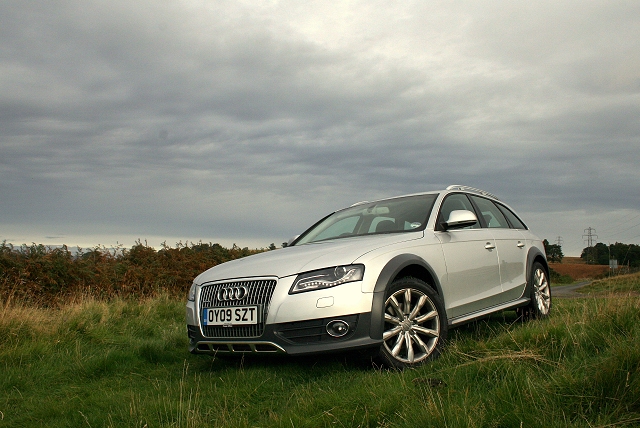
337,328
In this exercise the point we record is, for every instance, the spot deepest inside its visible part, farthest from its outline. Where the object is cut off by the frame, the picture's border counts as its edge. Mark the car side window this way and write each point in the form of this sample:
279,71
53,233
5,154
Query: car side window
454,202
513,219
492,216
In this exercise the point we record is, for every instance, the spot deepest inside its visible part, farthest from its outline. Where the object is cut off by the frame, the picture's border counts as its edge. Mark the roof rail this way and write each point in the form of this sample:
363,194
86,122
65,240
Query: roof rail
472,189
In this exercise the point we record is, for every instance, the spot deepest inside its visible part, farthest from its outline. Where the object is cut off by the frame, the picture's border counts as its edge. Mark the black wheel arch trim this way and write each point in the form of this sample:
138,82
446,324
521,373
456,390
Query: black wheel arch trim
397,264
534,255
387,275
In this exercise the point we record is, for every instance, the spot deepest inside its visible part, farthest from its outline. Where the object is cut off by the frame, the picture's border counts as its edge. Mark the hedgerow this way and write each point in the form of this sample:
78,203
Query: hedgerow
47,276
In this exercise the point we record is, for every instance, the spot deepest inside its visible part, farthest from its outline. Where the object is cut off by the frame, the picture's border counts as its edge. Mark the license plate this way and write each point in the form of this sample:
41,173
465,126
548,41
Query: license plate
236,315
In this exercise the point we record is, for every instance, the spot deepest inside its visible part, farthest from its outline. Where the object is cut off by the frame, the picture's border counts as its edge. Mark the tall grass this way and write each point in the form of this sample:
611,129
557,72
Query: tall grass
617,284
124,363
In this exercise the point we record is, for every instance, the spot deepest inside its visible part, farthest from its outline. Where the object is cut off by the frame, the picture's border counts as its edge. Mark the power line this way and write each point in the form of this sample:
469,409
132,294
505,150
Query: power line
621,223
629,228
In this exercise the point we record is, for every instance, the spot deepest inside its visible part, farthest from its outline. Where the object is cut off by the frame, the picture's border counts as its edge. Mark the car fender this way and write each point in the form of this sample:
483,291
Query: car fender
387,275
534,253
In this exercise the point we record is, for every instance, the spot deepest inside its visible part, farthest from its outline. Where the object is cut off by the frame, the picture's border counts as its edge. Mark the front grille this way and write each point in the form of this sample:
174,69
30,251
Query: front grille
260,292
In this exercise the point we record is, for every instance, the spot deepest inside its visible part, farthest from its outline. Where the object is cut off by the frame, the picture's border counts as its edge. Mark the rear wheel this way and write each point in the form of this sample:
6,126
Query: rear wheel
540,304
415,324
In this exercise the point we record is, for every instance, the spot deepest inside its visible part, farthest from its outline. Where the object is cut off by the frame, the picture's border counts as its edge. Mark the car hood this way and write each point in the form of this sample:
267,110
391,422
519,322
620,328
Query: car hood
293,260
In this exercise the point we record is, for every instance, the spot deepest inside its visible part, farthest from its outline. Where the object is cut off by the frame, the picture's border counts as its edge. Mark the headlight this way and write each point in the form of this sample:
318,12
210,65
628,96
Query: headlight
192,293
326,278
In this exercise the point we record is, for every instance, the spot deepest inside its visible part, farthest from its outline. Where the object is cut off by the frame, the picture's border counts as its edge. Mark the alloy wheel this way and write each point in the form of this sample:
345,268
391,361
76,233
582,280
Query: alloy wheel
412,326
542,293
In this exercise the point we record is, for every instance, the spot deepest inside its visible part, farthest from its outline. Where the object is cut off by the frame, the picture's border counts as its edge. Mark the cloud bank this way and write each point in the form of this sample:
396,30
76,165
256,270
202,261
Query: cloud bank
243,122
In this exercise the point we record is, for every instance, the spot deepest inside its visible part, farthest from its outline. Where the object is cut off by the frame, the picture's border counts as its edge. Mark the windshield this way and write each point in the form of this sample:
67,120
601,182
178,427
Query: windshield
407,214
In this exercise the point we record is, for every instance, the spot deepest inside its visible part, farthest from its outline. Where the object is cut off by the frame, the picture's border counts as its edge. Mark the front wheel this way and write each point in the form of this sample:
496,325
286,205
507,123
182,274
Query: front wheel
415,324
540,304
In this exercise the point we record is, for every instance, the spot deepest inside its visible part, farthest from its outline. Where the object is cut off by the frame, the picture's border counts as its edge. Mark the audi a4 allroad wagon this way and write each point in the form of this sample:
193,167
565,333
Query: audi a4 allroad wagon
391,276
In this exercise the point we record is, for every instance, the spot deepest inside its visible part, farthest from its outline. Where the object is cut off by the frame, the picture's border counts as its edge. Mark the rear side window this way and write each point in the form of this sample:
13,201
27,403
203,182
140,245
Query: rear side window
493,217
513,219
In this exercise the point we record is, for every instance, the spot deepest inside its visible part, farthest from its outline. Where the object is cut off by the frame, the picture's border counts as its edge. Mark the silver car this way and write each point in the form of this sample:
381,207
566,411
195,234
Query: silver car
391,276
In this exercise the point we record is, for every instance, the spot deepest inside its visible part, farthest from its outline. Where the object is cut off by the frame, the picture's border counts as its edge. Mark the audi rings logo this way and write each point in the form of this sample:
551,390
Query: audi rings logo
228,294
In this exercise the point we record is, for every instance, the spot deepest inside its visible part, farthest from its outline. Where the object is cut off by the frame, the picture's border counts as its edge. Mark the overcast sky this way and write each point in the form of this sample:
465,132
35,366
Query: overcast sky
246,121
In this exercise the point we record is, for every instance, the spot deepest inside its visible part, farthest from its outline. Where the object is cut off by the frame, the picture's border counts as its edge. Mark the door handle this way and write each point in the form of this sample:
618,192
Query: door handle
520,244
489,246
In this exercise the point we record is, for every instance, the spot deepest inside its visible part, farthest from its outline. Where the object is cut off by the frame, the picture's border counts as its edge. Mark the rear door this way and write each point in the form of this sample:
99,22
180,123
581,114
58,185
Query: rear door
511,248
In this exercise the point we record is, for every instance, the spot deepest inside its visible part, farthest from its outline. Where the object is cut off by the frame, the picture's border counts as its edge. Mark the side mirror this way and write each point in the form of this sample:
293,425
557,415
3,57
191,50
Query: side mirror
459,219
293,238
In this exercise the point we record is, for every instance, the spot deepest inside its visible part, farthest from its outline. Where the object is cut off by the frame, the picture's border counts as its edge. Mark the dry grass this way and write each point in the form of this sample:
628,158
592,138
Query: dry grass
573,260
580,271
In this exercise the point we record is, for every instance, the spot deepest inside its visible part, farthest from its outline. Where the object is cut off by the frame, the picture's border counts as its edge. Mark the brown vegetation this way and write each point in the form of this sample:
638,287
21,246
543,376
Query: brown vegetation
573,260
46,276
579,271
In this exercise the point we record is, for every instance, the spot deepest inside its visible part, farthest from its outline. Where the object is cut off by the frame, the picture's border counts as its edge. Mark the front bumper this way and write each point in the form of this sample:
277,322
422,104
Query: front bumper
290,324
293,338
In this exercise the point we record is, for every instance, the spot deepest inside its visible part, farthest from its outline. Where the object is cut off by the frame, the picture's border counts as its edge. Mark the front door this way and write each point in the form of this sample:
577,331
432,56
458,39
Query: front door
473,276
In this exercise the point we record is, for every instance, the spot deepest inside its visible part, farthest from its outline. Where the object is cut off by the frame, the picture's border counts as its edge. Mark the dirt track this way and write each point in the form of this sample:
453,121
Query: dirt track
568,291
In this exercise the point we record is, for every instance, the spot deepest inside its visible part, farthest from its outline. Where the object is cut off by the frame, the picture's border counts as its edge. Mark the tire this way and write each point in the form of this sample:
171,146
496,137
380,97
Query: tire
415,324
540,304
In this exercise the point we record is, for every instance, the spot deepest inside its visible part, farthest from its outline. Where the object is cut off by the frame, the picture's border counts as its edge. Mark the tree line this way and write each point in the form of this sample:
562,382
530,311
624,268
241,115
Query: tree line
600,254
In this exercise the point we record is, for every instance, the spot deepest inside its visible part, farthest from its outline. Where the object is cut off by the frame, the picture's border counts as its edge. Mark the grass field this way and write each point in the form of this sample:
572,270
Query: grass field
124,363
580,271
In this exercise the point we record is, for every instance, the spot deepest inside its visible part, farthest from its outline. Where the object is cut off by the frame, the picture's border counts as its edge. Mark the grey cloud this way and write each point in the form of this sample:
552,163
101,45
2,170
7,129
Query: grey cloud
215,119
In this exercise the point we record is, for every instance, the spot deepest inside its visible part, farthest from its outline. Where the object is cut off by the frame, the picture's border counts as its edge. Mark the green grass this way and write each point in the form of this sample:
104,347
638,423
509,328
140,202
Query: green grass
558,279
616,284
125,364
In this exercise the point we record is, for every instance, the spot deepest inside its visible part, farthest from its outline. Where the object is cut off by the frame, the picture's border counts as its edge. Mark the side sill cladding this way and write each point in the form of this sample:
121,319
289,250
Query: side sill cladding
394,267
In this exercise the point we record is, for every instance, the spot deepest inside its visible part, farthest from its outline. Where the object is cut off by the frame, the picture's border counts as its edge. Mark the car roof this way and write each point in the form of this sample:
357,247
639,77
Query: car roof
450,189
472,190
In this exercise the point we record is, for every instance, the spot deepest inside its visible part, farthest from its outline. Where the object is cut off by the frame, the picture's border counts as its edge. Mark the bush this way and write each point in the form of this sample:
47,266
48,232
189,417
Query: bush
46,276
557,278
